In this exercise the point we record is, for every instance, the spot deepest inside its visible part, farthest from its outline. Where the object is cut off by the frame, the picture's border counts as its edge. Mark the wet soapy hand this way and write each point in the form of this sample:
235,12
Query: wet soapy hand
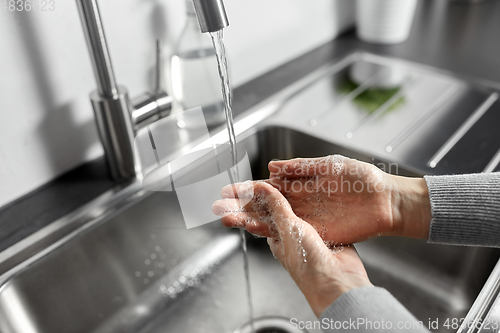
322,273
345,200
349,201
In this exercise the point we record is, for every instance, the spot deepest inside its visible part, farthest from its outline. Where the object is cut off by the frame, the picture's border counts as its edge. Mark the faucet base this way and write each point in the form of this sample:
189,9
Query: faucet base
115,129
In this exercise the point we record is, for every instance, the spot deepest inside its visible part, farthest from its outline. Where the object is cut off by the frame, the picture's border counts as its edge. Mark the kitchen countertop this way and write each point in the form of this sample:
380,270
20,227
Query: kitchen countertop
460,38
455,37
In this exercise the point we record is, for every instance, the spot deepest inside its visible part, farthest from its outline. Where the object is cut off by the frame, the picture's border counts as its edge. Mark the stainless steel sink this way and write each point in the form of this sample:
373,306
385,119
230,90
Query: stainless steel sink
99,278
127,263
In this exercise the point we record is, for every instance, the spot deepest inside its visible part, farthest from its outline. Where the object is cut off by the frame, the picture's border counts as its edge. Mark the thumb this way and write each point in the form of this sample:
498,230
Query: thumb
280,214
288,242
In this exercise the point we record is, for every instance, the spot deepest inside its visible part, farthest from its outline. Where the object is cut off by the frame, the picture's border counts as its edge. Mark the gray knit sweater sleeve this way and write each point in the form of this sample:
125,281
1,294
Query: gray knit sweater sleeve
465,209
369,309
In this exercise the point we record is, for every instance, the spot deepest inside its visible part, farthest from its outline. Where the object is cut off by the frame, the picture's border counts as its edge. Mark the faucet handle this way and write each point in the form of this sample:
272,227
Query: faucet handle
152,106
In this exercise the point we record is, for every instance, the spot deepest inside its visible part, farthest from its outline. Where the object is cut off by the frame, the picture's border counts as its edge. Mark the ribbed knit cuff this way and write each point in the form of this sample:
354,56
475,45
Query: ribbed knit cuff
465,209
369,309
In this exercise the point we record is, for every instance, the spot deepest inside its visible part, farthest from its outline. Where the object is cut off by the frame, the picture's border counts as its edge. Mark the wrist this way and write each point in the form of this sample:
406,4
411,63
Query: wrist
411,207
320,298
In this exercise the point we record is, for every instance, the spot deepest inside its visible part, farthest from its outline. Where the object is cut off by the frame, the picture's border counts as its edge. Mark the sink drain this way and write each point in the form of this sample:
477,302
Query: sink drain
270,325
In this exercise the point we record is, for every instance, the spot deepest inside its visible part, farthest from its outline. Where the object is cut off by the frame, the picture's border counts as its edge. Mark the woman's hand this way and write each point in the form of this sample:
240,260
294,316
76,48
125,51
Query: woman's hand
350,201
321,273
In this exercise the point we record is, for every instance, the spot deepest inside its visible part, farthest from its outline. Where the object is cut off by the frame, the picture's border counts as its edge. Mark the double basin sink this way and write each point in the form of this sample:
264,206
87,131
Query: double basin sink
127,263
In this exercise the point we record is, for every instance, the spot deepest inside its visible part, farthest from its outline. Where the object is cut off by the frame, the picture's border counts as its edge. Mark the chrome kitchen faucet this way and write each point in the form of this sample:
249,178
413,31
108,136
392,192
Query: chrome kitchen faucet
118,117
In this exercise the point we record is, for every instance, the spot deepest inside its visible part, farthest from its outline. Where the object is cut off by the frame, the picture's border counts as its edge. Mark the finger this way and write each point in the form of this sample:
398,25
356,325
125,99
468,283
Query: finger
282,210
238,190
289,227
259,228
307,167
226,206
233,206
252,222
240,220
267,198
233,216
